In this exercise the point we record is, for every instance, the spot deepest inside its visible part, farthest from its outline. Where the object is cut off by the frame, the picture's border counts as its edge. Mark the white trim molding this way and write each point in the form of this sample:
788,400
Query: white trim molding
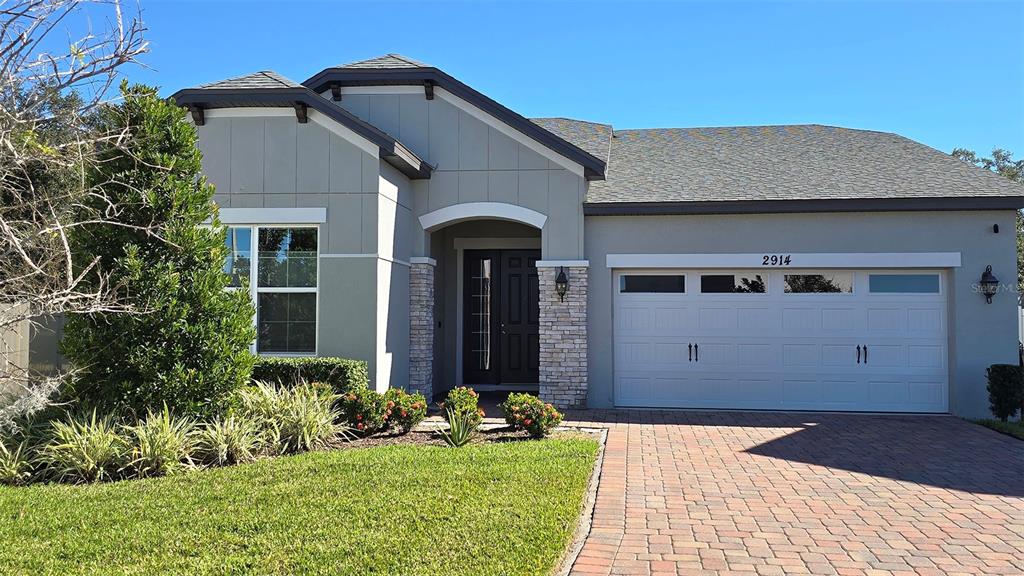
423,260
273,215
566,263
780,259
481,210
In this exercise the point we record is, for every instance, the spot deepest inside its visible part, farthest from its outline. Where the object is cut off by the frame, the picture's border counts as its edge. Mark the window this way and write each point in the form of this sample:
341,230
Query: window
652,284
732,283
904,283
832,282
283,284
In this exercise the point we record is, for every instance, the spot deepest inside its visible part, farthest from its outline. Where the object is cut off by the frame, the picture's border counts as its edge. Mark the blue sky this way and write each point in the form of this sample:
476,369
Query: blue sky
945,73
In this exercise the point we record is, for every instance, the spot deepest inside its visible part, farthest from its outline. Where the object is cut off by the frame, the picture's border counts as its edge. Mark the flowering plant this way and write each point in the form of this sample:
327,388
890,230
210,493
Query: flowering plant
364,410
526,412
403,410
462,401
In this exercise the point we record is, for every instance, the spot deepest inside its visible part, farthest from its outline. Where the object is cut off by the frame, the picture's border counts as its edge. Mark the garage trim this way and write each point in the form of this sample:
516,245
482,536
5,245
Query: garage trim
789,260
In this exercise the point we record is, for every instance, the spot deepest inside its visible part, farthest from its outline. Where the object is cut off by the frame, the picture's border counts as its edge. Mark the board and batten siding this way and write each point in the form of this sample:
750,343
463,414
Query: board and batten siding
272,161
475,162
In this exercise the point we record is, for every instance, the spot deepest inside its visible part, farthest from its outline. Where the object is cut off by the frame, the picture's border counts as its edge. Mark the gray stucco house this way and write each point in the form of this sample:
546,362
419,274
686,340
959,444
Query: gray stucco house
424,227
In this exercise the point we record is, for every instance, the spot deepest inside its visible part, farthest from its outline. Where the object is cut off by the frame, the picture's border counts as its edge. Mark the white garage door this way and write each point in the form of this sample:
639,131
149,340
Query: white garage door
863,340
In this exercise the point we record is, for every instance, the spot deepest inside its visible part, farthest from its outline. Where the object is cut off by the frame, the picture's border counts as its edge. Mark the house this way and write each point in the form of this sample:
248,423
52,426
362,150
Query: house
386,211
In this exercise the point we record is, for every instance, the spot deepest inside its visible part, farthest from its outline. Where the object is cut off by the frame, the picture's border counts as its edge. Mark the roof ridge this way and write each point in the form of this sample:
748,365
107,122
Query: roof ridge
405,59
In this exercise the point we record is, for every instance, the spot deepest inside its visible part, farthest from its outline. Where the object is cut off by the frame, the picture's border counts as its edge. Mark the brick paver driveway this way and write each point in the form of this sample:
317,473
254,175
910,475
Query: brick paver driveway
790,493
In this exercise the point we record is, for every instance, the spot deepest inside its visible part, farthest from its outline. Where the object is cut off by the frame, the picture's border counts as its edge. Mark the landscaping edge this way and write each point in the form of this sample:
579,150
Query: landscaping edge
586,519
1011,429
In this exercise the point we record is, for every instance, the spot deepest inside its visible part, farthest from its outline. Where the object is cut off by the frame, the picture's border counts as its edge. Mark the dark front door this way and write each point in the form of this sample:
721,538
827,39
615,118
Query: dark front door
500,333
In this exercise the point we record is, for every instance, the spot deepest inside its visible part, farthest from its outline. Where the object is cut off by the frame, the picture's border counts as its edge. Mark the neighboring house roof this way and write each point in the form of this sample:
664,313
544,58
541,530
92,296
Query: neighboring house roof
269,89
593,137
786,168
401,71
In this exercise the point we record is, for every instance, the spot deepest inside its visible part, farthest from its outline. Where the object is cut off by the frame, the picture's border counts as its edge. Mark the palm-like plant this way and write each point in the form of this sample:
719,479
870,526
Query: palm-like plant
461,428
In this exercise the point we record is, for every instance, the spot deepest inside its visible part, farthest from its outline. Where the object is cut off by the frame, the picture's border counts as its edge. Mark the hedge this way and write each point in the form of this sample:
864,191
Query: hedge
342,374
1005,389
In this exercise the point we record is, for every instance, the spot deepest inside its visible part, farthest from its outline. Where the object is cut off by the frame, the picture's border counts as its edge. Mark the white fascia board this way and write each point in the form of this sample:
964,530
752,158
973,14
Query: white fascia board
509,131
795,260
561,263
273,215
481,210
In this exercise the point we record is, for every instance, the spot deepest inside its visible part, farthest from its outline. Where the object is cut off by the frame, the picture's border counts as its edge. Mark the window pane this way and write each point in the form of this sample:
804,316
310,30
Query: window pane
652,284
287,257
732,283
904,283
819,283
237,262
287,323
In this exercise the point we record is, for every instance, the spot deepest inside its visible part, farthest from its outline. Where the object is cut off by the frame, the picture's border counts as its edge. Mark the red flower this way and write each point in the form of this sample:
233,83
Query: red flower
360,426
359,416
527,422
391,404
404,413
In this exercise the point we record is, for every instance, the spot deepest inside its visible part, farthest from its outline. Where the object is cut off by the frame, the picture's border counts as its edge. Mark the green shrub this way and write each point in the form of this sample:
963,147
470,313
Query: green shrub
403,410
462,401
85,449
461,428
15,468
341,374
364,410
185,340
161,444
229,440
1005,389
296,419
527,412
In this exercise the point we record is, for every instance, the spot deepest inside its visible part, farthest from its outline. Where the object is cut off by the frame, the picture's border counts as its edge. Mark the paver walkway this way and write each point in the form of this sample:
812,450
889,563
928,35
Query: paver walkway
792,493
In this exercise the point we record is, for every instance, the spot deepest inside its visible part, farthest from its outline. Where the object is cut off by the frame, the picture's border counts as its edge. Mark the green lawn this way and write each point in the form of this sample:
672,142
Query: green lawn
1013,428
506,508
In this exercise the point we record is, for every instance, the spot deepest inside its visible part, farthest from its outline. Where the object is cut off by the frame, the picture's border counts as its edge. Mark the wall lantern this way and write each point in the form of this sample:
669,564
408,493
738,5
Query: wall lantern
561,284
989,284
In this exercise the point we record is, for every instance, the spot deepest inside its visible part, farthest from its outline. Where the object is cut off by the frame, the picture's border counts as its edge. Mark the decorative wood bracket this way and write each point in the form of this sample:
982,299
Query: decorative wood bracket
428,89
336,92
197,115
301,113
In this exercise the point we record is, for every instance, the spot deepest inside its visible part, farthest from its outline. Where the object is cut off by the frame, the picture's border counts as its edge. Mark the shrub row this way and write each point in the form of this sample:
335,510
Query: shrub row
369,412
341,374
529,413
1005,390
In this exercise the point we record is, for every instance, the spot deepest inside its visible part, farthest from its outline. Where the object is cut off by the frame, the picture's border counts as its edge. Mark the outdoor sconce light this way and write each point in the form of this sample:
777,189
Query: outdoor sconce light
561,284
989,284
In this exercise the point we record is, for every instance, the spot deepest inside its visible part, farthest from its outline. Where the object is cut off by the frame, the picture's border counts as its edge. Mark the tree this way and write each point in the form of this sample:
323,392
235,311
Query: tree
47,87
166,248
1002,163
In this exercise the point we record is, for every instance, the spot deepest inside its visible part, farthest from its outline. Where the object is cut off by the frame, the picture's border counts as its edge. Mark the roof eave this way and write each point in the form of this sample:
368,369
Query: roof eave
391,150
802,206
593,167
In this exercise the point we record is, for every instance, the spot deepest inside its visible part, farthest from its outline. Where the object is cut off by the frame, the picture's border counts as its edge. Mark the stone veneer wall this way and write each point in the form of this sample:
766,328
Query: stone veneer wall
421,329
563,338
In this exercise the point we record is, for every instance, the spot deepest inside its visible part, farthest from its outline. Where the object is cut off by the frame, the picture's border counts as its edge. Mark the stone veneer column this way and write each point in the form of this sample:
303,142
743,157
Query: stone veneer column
563,338
421,327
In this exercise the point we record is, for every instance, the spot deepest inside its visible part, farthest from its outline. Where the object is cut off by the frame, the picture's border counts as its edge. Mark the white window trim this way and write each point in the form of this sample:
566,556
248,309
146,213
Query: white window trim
255,290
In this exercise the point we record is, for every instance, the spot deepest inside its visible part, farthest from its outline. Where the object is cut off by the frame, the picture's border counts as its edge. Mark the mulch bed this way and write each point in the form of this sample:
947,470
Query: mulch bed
431,438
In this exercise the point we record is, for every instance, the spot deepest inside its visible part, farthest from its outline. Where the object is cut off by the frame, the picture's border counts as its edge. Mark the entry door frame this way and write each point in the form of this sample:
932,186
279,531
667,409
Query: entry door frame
461,245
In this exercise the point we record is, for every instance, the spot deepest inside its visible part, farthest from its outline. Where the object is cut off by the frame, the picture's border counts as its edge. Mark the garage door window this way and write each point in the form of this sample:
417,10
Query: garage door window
904,283
832,283
640,284
732,284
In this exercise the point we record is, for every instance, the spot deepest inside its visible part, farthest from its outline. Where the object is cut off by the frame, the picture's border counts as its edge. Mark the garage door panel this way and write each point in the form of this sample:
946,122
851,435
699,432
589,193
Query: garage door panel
794,351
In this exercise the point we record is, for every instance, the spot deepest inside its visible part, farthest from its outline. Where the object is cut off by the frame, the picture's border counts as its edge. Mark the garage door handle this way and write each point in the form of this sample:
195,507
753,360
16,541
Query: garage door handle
858,353
696,353
690,357
865,353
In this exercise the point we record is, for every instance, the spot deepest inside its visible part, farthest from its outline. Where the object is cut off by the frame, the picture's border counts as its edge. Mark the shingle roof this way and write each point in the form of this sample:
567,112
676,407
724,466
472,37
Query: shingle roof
262,80
804,162
387,61
590,136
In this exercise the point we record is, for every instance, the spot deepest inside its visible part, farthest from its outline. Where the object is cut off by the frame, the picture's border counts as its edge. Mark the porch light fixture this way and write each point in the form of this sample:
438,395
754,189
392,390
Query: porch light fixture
989,284
561,284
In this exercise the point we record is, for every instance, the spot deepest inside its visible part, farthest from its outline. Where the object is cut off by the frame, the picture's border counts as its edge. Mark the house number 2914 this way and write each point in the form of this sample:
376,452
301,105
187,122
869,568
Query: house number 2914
776,260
